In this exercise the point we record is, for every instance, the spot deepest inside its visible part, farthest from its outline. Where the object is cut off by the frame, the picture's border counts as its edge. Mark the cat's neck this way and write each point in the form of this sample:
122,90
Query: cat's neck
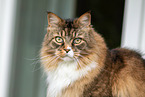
65,75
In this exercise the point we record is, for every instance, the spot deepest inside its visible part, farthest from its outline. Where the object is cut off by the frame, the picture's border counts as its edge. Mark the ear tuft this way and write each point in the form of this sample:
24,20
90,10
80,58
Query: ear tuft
53,19
85,19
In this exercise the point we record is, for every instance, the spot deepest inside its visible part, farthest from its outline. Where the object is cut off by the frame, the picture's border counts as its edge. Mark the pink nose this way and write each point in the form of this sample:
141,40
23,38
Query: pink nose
67,50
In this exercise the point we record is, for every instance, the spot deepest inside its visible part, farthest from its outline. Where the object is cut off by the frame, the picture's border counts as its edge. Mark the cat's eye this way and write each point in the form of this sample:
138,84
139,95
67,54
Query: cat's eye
77,40
58,39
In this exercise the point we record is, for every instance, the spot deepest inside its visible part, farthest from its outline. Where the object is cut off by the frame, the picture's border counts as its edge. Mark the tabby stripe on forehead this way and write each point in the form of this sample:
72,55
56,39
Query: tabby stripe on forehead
60,34
66,31
71,31
74,34
63,33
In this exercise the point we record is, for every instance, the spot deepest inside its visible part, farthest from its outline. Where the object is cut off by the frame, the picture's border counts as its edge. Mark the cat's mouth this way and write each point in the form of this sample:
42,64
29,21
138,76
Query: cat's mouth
67,58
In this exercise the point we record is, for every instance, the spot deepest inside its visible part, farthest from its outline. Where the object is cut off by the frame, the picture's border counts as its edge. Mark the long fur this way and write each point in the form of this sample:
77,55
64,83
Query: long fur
88,68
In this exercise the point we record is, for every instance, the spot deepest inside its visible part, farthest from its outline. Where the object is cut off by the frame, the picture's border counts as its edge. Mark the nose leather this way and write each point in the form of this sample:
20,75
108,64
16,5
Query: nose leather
67,50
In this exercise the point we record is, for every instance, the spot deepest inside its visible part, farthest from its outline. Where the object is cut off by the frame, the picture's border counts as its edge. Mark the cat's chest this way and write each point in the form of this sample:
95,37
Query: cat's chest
65,75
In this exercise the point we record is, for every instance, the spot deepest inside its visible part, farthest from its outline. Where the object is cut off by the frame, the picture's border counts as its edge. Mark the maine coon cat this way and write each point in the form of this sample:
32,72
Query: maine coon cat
79,64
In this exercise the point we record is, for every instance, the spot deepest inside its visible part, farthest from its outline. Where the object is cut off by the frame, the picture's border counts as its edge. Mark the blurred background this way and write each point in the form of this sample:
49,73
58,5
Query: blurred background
23,25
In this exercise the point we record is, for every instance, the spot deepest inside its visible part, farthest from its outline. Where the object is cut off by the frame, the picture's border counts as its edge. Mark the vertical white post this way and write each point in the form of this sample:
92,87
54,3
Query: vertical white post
131,23
142,46
7,12
133,35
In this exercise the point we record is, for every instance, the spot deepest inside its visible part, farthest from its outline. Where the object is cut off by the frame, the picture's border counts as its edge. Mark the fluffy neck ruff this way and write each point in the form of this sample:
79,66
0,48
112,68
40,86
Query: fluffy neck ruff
65,75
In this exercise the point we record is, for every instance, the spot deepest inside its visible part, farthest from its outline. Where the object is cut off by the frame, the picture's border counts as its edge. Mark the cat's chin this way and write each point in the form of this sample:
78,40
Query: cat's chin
67,58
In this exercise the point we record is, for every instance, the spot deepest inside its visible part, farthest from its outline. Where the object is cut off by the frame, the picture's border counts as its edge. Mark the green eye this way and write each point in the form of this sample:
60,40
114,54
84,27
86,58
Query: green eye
58,39
77,40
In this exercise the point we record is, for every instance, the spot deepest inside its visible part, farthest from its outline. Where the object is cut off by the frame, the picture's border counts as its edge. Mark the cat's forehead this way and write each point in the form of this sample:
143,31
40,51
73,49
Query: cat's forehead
71,32
69,29
69,23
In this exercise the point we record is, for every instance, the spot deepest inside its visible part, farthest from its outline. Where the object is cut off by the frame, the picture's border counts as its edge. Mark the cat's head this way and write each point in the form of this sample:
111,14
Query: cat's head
70,40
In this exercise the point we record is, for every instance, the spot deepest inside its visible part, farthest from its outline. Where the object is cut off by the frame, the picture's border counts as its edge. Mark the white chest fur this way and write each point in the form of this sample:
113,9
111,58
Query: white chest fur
65,74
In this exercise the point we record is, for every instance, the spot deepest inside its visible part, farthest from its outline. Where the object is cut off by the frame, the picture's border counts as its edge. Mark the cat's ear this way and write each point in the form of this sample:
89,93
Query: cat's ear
53,19
85,19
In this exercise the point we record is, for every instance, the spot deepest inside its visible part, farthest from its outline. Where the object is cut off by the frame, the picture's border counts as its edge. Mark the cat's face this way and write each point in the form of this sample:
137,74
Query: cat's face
68,47
68,40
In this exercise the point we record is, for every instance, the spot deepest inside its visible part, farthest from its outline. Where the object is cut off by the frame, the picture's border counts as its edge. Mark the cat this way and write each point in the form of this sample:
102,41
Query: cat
79,64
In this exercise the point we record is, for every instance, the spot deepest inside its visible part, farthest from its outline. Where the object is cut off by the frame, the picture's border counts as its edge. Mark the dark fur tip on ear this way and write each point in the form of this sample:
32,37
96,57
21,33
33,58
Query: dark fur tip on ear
89,11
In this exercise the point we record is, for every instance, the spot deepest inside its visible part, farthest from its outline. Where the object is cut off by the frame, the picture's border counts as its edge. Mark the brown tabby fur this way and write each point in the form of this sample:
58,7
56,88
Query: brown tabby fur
120,72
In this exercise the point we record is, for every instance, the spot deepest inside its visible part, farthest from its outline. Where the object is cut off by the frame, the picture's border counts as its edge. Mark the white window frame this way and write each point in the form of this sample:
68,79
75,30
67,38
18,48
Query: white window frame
133,35
7,22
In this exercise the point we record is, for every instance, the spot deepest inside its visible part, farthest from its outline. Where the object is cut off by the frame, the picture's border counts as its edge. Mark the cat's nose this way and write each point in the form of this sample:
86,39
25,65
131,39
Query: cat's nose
67,50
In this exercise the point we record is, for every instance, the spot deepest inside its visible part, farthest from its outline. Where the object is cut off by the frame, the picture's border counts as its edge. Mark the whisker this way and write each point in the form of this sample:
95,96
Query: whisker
51,59
79,64
44,56
81,56
32,59
37,61
37,57
55,59
34,70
